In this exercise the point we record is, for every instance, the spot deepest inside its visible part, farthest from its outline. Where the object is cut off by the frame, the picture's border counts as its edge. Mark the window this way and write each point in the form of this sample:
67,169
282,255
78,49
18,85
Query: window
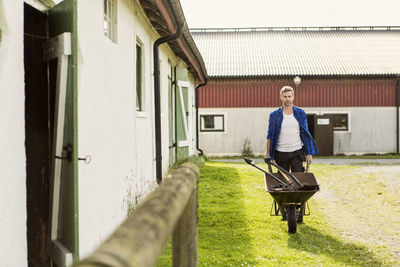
340,122
110,19
212,123
139,71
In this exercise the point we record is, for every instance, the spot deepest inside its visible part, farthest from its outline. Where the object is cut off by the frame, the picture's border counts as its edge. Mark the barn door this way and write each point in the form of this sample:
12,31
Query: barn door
171,116
182,113
59,49
323,132
59,52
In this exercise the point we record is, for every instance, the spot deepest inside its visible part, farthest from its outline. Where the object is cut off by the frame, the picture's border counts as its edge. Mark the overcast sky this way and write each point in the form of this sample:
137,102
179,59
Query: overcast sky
290,13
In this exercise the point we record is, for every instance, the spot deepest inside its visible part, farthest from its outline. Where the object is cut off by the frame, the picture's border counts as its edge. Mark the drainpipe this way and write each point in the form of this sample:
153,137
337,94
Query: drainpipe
157,102
197,116
397,112
175,117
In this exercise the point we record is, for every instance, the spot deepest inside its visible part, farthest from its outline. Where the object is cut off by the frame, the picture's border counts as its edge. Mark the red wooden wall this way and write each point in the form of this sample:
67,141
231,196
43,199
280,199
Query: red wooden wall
312,92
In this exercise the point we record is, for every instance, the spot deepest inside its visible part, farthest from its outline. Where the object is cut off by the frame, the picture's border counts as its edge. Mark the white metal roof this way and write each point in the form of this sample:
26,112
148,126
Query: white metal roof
300,51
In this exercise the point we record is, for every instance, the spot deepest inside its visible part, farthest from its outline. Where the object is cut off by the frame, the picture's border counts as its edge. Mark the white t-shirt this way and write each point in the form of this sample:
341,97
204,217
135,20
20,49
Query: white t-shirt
289,137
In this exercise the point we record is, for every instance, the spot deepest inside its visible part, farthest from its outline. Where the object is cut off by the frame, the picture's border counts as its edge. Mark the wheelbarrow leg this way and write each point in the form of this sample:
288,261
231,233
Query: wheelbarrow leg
283,212
302,210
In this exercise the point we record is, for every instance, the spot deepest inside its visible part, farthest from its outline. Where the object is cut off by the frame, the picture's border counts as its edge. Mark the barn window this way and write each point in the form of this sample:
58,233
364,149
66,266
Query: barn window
212,123
110,19
340,122
139,76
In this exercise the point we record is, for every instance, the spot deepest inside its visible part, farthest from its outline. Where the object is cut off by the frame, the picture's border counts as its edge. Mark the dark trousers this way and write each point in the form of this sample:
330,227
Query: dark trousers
290,161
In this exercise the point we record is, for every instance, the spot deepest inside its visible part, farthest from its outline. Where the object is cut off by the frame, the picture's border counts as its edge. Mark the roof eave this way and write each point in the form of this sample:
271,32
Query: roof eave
165,16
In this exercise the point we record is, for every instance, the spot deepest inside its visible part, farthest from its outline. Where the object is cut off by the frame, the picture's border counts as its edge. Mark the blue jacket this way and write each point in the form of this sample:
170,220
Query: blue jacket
274,129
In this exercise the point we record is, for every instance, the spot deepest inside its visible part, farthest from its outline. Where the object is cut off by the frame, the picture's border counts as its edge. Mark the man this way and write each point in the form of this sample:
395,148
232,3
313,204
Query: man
289,141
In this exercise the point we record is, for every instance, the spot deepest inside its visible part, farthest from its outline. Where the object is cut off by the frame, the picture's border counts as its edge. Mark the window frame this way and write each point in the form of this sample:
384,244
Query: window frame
210,130
340,130
139,70
110,19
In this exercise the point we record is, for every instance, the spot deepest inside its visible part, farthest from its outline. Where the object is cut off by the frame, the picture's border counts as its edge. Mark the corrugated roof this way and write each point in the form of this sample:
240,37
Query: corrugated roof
259,52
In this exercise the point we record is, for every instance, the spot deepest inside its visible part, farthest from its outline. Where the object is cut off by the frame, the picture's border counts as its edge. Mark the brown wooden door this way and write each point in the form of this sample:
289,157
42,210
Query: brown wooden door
323,134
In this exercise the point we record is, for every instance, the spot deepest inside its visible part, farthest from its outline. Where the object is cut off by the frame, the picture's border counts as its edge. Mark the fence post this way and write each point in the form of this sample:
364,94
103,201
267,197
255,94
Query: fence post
184,240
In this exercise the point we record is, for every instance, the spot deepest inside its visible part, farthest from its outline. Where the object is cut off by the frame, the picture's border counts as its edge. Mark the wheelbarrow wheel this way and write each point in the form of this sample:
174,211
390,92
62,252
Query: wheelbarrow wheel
292,219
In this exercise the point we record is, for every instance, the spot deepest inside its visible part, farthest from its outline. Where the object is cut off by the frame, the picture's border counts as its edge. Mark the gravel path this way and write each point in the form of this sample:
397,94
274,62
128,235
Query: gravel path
333,161
360,201
364,206
357,161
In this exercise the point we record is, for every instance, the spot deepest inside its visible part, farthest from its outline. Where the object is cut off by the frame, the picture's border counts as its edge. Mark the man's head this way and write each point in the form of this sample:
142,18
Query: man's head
287,96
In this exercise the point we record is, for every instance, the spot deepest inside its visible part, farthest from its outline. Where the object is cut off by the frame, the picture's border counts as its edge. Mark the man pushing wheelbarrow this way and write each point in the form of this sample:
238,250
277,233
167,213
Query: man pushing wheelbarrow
289,144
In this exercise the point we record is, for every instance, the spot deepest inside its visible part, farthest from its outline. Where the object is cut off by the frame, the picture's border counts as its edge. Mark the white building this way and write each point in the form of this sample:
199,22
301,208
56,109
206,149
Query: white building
77,82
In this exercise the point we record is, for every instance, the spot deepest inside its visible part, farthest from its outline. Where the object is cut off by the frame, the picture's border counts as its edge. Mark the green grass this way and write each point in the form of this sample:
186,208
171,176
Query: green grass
235,228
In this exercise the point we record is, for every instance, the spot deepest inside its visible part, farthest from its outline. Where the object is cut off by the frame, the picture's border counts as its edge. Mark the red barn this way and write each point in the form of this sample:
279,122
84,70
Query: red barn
349,86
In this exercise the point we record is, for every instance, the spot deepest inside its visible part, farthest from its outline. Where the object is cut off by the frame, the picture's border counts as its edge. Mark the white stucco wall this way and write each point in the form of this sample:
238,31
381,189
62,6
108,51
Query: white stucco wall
108,124
164,71
372,130
13,244
239,124
119,139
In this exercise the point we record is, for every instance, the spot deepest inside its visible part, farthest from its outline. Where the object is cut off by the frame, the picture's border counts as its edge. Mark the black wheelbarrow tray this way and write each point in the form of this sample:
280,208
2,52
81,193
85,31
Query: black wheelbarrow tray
290,192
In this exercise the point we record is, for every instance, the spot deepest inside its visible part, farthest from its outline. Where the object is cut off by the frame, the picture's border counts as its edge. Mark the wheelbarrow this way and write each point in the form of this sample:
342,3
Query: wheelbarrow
290,192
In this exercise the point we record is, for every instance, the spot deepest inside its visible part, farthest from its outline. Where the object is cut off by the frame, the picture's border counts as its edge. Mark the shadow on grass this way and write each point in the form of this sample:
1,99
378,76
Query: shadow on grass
311,240
223,237
223,230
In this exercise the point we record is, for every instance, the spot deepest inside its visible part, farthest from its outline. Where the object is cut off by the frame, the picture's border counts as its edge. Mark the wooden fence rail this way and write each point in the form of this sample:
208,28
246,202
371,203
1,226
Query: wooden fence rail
139,241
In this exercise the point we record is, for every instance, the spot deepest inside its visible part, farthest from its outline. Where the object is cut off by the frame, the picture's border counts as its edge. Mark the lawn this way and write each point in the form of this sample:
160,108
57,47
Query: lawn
354,220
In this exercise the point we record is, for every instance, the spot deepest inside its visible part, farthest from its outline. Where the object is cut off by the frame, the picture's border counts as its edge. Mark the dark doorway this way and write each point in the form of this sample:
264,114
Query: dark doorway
323,134
310,122
37,136
321,129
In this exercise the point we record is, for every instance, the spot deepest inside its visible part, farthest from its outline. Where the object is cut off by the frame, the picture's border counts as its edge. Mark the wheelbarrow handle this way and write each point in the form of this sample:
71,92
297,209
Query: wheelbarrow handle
269,166
251,162
270,162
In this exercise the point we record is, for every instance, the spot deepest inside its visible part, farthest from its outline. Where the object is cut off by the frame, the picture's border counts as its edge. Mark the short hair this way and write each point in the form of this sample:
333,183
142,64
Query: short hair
287,88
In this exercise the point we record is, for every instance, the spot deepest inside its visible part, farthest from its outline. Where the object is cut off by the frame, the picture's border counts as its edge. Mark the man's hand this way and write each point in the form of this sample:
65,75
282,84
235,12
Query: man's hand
268,159
309,159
